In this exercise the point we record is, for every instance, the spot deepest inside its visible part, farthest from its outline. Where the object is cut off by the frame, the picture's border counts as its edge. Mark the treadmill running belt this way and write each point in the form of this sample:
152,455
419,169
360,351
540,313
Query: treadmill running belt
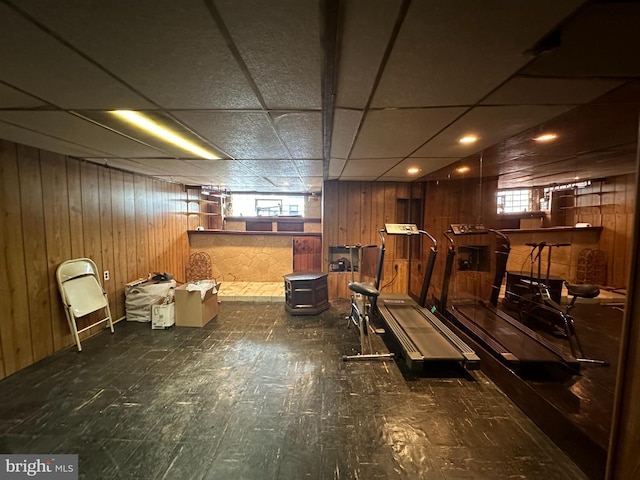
522,346
430,342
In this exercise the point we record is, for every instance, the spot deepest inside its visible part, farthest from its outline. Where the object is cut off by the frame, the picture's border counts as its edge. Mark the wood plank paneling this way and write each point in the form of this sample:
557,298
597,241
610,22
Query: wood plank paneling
107,240
55,208
74,189
57,234
353,212
307,254
142,239
130,228
15,329
120,273
35,251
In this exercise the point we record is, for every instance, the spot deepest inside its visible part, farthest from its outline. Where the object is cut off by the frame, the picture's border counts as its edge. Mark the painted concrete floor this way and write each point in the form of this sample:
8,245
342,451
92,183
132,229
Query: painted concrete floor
260,394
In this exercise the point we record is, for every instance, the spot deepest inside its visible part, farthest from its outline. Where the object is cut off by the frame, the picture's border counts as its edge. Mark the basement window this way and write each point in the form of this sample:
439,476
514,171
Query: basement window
514,201
265,205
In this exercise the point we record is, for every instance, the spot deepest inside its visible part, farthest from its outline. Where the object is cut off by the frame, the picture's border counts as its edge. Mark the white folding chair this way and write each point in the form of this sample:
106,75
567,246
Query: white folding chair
82,294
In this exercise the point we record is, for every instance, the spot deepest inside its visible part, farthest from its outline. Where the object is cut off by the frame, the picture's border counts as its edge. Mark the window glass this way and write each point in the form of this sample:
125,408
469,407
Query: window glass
261,205
514,201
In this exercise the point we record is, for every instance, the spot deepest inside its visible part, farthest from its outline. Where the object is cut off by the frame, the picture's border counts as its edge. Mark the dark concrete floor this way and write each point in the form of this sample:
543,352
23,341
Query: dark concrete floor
261,394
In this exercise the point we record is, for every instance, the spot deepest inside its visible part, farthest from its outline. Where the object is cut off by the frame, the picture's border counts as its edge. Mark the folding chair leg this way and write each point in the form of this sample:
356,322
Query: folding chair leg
74,329
109,317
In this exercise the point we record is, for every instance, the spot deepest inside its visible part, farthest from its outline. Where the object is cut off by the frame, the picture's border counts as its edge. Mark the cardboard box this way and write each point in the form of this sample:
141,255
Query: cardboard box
163,316
192,310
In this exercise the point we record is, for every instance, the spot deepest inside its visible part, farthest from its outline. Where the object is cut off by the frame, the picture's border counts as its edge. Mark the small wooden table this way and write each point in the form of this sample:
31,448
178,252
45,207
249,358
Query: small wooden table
306,293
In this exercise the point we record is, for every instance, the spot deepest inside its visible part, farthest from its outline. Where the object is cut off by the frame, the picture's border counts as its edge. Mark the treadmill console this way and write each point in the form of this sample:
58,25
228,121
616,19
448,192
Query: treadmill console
468,229
401,229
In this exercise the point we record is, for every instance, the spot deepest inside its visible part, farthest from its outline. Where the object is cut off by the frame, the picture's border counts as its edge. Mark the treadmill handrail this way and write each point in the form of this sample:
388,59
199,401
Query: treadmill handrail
428,273
431,262
431,237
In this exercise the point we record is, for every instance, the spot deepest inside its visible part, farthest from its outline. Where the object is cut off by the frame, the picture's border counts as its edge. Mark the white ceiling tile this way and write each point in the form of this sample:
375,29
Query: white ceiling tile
301,133
366,32
12,98
175,54
369,169
549,91
242,135
491,125
280,44
270,167
248,184
70,128
312,184
425,165
27,136
454,53
167,165
397,133
226,168
45,68
290,184
336,165
311,168
345,127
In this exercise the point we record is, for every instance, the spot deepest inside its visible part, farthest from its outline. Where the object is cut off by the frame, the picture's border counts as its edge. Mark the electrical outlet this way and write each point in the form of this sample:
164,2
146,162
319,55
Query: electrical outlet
106,274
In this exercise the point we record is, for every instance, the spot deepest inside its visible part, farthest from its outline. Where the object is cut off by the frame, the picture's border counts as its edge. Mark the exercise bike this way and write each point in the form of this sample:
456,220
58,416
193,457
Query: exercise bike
538,304
363,301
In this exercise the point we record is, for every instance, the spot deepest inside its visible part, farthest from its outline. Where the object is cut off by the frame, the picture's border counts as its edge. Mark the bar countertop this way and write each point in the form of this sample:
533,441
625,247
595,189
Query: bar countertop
550,229
244,232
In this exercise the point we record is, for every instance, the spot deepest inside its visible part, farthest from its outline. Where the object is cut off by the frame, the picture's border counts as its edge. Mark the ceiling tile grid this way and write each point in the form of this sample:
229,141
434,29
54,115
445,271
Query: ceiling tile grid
290,94
398,132
42,66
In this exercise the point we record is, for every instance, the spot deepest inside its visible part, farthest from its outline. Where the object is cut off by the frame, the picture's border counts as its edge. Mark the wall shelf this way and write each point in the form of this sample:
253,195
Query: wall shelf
213,210
193,200
206,214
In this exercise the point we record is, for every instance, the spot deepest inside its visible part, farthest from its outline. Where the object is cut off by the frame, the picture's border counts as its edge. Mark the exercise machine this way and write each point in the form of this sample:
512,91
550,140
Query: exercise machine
363,299
500,334
537,303
421,336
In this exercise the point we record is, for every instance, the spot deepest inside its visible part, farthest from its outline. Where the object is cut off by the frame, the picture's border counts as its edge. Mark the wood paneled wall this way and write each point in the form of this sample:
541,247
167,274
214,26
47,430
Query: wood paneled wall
459,201
623,461
307,254
354,212
55,208
610,204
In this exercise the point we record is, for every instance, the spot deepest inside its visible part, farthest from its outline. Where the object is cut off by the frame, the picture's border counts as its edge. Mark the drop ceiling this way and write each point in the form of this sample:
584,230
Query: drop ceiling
293,92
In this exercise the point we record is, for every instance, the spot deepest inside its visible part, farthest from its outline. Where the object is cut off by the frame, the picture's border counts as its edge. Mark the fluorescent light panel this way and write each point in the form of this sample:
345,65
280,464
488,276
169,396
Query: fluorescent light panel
163,133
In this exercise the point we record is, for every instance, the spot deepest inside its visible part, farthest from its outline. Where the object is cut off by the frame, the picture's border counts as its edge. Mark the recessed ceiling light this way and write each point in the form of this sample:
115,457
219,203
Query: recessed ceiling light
468,139
462,169
163,133
545,137
413,170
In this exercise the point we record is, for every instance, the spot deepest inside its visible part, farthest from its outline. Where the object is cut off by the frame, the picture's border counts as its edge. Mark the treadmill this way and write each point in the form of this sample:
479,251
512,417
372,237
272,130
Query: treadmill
421,336
505,337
